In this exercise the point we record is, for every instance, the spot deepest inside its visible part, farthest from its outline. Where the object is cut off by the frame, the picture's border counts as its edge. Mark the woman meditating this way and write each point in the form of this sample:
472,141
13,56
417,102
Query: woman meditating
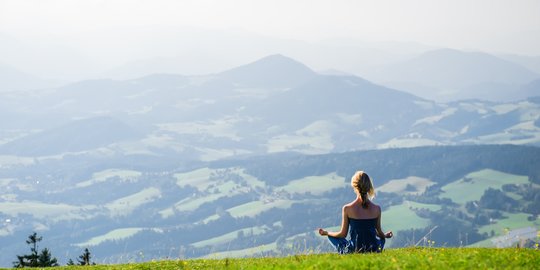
362,218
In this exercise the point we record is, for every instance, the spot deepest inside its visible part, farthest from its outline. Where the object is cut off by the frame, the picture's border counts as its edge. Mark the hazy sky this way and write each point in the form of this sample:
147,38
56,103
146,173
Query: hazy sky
489,25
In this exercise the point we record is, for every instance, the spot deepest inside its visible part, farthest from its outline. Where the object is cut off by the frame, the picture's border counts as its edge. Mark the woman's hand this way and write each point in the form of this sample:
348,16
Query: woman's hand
389,234
323,232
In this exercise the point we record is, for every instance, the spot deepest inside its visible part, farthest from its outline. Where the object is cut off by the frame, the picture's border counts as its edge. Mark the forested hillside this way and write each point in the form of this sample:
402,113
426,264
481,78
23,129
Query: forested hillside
122,208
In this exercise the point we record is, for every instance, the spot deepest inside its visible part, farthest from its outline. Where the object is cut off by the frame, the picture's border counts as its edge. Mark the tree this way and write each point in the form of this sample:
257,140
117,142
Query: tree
46,260
35,259
84,259
496,199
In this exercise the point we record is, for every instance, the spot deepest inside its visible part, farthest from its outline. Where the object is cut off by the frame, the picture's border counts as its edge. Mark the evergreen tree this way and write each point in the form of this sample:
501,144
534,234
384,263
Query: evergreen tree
84,259
46,260
35,259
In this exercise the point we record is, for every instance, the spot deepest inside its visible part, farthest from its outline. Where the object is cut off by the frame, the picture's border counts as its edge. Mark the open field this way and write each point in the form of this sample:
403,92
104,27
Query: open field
102,176
511,222
199,179
53,212
316,185
477,182
401,185
254,208
225,238
126,205
402,217
111,236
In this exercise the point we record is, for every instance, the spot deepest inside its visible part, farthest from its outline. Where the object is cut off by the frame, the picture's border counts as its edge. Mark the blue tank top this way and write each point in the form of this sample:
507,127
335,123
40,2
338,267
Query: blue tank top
364,235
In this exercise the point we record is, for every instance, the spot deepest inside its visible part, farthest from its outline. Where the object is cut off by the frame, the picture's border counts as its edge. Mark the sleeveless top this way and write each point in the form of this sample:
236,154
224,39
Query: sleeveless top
364,235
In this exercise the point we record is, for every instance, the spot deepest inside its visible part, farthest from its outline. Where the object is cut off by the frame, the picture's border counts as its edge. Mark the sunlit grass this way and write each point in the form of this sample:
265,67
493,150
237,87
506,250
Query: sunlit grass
511,222
125,205
473,185
254,208
231,236
317,184
405,258
116,234
400,185
402,217
102,176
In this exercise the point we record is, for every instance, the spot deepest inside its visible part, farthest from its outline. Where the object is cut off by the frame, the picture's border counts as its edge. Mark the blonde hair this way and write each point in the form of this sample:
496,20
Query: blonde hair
363,187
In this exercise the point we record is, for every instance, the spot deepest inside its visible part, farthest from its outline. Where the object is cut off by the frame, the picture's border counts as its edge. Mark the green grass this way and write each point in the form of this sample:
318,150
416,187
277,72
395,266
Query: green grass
102,176
431,207
211,188
254,208
405,258
225,238
313,139
247,252
513,221
51,212
191,204
125,205
110,236
477,182
400,185
316,185
199,179
402,217
251,180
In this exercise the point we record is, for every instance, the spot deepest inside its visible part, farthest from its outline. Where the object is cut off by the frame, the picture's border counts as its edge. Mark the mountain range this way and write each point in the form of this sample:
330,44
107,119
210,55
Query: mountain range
12,79
434,73
451,74
225,164
274,104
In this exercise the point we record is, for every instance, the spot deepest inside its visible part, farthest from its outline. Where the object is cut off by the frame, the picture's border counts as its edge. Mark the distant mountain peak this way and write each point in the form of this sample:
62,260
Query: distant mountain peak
461,55
13,79
450,74
278,59
274,70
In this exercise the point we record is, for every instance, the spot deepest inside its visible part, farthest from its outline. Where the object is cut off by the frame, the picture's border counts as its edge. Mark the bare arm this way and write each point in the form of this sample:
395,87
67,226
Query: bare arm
344,227
380,232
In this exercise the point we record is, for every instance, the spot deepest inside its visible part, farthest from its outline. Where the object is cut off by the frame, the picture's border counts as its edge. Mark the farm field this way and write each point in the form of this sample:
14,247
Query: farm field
473,185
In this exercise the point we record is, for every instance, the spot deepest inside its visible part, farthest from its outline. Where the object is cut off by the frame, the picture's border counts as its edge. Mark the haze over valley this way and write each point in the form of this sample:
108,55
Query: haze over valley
164,135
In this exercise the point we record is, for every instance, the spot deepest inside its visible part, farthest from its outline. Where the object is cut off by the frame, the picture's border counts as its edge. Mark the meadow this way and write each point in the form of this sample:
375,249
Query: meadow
402,258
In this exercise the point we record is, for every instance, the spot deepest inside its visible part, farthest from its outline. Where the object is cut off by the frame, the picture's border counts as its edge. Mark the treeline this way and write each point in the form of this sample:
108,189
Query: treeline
442,164
44,258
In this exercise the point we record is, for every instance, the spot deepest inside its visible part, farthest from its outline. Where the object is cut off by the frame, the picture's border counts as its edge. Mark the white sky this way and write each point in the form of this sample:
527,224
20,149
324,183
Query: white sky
511,26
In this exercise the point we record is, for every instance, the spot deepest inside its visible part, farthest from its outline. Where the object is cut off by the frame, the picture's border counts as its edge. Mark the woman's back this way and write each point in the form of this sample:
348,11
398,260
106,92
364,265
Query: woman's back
363,235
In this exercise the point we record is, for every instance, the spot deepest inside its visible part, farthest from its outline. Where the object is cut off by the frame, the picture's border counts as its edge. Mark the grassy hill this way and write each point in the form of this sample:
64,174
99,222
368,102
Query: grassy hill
406,258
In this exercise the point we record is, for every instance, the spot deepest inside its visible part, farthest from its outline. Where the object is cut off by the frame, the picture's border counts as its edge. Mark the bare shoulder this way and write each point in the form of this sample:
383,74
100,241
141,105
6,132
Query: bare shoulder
376,207
348,206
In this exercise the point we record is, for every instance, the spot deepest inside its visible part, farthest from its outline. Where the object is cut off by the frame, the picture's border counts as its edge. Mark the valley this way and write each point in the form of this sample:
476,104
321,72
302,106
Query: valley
252,160
274,204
